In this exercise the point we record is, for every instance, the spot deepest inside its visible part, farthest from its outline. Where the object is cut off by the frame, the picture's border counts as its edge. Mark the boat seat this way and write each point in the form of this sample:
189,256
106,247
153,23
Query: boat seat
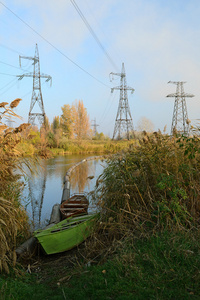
72,208
73,205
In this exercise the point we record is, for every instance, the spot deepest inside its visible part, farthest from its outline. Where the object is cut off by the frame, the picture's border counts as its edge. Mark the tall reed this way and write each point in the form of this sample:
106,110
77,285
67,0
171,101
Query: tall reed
154,186
13,219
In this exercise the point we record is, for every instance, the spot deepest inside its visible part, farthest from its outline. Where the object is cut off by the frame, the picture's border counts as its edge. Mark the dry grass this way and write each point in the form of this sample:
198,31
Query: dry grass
154,186
13,219
8,233
15,103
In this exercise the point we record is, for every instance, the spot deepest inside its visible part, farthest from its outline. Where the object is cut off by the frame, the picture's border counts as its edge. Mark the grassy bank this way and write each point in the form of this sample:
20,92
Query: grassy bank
27,148
164,266
147,243
75,147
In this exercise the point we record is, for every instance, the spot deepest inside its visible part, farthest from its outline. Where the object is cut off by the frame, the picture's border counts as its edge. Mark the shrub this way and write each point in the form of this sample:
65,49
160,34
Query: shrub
154,186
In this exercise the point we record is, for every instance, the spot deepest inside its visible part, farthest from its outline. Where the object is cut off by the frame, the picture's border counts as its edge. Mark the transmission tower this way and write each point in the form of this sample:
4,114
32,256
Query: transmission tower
36,192
95,126
123,121
180,121
37,93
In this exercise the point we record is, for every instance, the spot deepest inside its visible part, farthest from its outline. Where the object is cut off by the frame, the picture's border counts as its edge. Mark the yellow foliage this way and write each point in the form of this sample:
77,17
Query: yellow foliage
13,218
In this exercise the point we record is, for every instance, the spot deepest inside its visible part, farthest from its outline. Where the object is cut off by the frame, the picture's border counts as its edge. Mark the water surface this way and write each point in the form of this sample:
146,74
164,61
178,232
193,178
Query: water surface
44,189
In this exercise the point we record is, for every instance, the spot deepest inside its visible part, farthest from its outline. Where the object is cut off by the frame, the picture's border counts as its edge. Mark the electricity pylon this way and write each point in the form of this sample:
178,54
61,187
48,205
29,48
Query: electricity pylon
123,121
180,121
37,93
95,126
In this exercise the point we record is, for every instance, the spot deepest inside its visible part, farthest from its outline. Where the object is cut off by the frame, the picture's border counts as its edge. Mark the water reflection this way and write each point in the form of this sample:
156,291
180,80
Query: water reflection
36,189
79,178
44,189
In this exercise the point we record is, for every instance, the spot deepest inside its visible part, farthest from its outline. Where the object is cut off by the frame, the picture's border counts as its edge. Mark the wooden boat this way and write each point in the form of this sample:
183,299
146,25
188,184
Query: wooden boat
67,234
77,204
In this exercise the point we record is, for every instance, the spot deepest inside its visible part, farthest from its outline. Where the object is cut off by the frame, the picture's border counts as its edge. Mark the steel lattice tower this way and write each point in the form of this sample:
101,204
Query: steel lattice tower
95,125
180,121
123,121
37,93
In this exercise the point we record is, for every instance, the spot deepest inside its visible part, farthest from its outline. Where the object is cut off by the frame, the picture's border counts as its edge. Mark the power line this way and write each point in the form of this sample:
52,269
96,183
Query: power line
7,74
8,48
8,83
32,91
106,35
103,116
15,80
12,66
53,46
102,30
93,33
104,109
106,125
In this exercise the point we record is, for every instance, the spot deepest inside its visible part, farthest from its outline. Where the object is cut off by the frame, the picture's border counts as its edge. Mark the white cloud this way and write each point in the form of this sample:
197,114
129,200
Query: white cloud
157,42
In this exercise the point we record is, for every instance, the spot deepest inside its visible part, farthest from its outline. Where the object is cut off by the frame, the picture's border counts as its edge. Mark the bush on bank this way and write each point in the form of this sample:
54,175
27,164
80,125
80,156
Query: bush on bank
154,186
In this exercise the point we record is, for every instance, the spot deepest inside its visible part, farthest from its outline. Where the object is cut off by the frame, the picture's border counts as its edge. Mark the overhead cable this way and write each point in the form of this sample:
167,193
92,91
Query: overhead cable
1,62
53,45
7,74
93,33
109,103
8,48
15,82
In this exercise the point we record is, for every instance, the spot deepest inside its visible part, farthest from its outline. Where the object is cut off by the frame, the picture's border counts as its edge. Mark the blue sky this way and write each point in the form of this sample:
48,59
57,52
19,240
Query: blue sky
157,40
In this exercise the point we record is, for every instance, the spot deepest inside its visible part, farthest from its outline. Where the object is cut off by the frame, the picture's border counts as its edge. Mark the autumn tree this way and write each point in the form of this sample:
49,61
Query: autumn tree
67,120
57,130
46,125
100,136
75,120
56,123
81,121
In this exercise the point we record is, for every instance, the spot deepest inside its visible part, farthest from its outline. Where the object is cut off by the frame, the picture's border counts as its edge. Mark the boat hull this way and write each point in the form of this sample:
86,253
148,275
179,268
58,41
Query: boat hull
67,234
77,204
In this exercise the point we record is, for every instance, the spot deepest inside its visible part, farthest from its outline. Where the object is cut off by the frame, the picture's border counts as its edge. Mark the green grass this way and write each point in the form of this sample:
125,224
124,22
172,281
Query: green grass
92,146
28,148
26,288
165,266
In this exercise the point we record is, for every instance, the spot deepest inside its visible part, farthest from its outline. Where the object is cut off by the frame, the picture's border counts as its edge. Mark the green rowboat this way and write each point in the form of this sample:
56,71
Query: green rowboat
67,234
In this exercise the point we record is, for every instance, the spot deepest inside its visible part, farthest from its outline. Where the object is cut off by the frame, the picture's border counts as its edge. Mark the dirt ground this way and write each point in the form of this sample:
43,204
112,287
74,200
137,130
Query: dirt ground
56,268
59,268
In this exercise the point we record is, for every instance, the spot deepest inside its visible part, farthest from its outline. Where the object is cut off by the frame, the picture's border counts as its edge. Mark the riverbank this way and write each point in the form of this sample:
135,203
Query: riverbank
147,242
28,148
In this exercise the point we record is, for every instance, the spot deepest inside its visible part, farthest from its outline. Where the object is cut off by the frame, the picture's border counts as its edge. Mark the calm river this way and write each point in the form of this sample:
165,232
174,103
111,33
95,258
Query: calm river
44,189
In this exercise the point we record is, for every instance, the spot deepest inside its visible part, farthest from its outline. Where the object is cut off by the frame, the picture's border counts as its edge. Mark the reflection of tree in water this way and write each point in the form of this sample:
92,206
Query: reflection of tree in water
79,176
36,188
59,165
54,169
